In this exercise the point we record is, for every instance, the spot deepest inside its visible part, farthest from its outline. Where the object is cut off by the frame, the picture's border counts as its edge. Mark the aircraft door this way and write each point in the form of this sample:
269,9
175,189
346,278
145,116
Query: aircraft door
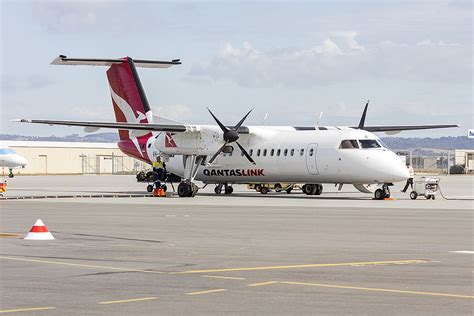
311,162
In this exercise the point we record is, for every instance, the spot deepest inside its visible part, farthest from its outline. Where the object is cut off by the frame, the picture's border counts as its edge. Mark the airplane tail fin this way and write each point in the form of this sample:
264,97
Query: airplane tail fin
128,97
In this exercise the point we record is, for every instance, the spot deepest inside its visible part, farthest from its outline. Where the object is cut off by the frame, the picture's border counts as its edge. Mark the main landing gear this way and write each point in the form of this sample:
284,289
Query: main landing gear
312,189
384,192
11,175
191,166
227,188
186,189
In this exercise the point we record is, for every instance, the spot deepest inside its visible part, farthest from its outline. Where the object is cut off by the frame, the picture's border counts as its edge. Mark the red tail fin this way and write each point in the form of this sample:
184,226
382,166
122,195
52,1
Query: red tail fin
128,97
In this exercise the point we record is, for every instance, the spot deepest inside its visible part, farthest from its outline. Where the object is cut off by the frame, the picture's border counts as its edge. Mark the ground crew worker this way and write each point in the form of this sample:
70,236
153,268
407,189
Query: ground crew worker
158,168
410,179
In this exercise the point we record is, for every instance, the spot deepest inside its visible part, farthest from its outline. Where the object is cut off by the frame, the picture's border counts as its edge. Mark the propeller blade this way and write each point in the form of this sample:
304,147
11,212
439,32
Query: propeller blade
217,154
236,127
362,119
223,128
246,154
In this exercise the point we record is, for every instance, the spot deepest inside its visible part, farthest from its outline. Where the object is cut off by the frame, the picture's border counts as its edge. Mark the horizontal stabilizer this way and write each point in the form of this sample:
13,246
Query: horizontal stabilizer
118,125
64,60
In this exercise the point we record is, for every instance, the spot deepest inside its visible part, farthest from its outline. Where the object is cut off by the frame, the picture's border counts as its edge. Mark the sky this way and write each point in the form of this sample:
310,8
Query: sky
293,60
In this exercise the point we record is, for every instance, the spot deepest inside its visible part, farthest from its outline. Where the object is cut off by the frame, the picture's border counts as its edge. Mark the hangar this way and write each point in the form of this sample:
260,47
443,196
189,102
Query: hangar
73,158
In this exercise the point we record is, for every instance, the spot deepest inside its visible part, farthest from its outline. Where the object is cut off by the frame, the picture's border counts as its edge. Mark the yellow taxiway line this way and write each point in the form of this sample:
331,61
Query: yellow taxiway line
81,265
301,266
206,292
377,289
130,300
262,283
19,310
222,277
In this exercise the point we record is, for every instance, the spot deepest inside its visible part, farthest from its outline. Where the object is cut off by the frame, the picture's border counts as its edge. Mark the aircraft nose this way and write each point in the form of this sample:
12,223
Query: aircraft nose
400,172
23,161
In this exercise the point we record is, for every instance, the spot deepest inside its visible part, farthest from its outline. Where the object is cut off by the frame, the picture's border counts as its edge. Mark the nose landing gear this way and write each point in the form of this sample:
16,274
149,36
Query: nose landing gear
384,192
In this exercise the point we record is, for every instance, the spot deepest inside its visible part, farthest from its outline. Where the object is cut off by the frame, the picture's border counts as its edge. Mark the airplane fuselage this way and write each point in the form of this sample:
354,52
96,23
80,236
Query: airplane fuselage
285,155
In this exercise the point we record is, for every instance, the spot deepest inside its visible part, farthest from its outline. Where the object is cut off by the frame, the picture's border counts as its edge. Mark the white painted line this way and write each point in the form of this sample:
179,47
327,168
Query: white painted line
464,251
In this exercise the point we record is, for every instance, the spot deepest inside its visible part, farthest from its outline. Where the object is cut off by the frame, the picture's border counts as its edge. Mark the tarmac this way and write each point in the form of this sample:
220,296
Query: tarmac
245,253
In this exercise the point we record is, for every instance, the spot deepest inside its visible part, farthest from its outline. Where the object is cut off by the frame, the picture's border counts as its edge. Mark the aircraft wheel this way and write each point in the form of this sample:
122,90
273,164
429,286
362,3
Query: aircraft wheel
149,188
164,187
229,190
193,190
319,189
217,190
278,187
379,194
289,190
184,190
264,190
310,189
413,195
11,175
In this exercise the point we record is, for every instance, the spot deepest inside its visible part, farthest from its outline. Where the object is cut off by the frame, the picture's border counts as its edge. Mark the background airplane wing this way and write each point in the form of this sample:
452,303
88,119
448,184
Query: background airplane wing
397,128
123,126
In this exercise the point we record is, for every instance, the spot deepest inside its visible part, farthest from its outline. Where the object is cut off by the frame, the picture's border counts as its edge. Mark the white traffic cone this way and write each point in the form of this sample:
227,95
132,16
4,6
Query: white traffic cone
39,232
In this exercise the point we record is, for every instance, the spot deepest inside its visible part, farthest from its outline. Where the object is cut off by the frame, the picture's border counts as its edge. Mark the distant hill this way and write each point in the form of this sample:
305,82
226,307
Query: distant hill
460,142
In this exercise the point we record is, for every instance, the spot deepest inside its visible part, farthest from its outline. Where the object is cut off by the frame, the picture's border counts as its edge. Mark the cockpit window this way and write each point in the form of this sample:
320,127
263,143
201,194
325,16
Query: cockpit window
382,143
369,143
349,144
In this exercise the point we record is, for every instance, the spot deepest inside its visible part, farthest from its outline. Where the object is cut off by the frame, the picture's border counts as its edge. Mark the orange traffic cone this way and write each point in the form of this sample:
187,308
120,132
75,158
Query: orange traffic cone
39,231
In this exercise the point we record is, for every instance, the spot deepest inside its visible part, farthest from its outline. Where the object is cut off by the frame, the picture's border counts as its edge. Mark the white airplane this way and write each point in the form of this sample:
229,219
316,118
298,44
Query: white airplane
225,155
10,159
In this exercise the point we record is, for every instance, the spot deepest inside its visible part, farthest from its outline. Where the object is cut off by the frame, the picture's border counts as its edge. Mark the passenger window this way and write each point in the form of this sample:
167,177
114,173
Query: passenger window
349,144
311,152
258,152
292,152
272,152
301,152
369,143
285,152
278,152
251,152
264,153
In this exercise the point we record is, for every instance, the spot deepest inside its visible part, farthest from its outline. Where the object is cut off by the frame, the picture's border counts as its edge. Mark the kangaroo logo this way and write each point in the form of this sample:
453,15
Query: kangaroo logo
130,117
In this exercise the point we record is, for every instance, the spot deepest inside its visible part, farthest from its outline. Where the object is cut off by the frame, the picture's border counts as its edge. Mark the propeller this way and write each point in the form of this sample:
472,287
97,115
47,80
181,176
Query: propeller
230,136
362,119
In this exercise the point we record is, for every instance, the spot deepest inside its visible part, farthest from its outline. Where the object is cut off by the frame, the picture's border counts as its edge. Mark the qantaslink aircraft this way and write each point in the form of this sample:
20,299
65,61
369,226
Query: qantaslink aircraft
228,154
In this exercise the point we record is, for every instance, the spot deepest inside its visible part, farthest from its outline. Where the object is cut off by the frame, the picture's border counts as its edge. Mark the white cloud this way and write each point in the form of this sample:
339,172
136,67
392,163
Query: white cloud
338,58
84,15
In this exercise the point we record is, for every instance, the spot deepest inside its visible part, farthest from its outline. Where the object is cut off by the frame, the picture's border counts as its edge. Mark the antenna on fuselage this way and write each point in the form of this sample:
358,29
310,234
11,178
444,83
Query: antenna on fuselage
264,119
316,126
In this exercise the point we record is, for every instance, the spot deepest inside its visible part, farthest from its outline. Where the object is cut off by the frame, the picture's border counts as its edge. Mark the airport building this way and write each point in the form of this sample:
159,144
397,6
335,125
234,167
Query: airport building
464,157
73,158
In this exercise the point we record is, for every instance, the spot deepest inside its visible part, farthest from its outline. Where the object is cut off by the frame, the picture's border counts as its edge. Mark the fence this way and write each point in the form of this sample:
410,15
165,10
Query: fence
110,164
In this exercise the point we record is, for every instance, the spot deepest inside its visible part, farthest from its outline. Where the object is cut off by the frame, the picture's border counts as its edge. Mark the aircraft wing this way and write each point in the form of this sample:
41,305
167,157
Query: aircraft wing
123,126
398,128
